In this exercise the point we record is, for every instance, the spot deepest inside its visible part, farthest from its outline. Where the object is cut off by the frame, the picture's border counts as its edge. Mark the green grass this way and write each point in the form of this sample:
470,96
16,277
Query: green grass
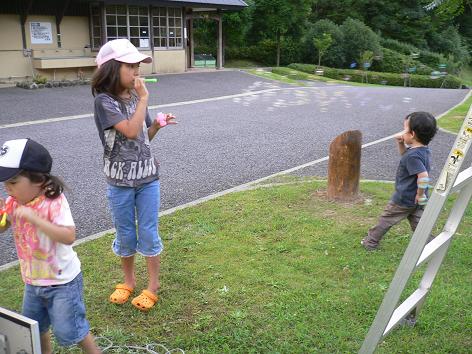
241,63
291,76
273,76
453,120
275,270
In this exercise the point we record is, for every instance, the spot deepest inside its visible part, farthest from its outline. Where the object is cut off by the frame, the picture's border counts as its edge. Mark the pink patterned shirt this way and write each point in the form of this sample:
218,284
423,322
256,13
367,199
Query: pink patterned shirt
44,262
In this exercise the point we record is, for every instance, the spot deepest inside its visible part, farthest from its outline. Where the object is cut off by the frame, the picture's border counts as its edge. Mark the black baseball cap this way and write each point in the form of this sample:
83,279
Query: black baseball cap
23,154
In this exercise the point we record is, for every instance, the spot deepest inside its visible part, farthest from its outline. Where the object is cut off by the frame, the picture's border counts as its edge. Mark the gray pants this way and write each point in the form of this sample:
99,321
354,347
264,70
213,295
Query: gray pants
391,216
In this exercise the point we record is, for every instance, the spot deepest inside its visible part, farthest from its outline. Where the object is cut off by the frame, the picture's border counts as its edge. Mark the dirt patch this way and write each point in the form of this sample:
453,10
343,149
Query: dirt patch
360,199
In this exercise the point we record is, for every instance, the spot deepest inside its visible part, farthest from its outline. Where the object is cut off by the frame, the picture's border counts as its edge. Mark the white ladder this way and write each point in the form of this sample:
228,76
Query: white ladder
416,254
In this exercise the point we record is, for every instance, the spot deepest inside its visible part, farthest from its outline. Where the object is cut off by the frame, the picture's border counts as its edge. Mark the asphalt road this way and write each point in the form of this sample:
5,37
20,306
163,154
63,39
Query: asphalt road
233,128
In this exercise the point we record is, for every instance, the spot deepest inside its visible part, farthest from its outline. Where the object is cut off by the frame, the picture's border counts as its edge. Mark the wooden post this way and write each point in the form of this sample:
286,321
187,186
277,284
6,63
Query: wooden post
344,166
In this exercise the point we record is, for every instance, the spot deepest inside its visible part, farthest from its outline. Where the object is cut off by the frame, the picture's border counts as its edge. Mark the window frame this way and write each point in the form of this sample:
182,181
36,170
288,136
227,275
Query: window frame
153,26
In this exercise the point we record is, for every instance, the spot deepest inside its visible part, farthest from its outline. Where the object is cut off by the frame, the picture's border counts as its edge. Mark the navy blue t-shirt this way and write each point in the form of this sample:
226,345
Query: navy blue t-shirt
413,161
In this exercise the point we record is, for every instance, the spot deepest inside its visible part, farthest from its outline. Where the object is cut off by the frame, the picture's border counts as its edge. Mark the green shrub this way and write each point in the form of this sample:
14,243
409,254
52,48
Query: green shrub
334,56
263,52
38,79
392,79
395,62
290,51
358,38
398,46
426,57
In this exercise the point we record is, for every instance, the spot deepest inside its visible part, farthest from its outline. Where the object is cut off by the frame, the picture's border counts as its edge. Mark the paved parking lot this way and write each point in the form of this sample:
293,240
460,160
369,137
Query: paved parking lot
233,128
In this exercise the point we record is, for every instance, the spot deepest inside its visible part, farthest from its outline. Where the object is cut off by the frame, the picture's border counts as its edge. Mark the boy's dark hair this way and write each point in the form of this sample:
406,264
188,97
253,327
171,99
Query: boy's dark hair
52,185
424,126
107,79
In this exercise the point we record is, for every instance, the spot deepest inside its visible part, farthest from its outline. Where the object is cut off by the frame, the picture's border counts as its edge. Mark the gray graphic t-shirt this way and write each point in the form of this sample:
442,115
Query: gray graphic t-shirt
127,162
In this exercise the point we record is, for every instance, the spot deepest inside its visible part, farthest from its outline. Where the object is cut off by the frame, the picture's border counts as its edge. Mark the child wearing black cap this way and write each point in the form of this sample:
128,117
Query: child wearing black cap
44,232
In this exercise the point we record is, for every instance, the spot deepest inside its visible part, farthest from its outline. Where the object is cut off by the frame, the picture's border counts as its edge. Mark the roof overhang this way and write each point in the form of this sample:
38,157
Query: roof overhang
206,4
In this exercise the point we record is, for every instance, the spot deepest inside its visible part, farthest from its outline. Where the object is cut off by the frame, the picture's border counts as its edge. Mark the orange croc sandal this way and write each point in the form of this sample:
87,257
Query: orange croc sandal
121,294
145,301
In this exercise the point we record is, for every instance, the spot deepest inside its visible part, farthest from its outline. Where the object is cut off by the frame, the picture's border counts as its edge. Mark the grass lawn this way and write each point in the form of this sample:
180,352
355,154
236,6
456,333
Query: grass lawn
454,119
275,270
292,76
241,63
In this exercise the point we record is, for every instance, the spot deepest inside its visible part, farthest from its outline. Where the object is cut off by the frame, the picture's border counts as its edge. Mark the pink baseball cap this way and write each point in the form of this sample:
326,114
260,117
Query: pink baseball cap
121,50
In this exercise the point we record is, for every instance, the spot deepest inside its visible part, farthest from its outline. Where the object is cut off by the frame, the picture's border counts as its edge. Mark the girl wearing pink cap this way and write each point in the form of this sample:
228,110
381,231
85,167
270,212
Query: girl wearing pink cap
132,172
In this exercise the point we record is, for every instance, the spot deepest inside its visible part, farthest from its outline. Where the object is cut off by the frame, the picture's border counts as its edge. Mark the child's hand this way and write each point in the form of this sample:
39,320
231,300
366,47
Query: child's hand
399,137
3,216
421,199
164,119
26,213
140,88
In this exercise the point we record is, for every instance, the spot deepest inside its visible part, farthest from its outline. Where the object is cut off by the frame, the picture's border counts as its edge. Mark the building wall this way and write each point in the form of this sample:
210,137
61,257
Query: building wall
74,37
14,64
170,61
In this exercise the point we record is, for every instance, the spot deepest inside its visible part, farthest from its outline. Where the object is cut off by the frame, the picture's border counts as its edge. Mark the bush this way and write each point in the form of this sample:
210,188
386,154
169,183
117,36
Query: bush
263,52
358,38
397,46
394,62
38,79
392,79
427,57
334,56
290,51
451,42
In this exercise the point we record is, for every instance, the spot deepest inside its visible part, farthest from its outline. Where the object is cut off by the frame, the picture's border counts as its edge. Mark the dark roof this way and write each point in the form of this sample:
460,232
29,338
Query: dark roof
218,3
80,7
214,4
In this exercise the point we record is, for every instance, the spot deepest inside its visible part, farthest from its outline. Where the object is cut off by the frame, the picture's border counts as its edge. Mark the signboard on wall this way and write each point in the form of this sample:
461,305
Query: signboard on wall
41,32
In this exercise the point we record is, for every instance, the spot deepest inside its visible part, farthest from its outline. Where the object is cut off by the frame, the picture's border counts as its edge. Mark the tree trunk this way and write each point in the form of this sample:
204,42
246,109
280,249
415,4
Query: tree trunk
344,166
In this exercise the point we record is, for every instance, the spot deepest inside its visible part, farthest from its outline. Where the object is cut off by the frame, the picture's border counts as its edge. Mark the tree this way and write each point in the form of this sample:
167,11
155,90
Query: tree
274,18
334,55
357,39
322,44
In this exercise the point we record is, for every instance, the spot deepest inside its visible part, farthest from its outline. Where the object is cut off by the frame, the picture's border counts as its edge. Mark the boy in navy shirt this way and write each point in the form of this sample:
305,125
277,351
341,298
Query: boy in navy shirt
412,179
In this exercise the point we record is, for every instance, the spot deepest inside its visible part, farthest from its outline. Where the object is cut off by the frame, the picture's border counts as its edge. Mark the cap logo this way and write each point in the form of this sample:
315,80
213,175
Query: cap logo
3,150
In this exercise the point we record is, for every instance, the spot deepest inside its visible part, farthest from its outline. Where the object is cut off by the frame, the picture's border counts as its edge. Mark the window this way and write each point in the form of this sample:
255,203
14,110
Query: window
132,22
116,22
96,26
175,27
139,26
159,20
167,26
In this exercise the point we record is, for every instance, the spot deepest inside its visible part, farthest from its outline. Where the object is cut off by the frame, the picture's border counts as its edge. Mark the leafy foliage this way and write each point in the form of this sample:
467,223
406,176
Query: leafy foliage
355,26
358,38
334,55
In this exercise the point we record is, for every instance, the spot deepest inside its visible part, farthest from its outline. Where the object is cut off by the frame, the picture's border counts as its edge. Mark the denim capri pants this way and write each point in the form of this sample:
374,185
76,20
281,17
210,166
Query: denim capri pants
60,306
129,205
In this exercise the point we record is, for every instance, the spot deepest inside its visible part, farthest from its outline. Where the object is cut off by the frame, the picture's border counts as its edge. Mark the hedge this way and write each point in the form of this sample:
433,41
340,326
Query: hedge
373,77
394,62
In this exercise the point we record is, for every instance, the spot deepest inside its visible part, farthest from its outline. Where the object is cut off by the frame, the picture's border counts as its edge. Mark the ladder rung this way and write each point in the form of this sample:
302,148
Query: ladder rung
462,179
432,247
405,308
